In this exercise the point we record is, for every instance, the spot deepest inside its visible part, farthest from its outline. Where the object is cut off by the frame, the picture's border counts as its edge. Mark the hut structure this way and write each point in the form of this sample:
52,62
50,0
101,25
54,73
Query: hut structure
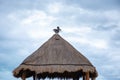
56,58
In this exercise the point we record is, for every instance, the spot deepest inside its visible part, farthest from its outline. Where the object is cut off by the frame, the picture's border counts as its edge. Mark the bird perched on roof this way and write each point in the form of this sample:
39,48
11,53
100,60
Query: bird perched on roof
57,30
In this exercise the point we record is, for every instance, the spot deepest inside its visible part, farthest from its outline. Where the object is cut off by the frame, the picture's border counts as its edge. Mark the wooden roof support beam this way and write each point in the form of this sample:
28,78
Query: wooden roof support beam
84,78
23,76
87,75
35,77
93,78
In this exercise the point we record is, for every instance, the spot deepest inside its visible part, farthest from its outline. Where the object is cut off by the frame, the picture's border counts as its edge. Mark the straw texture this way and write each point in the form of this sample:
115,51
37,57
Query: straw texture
55,56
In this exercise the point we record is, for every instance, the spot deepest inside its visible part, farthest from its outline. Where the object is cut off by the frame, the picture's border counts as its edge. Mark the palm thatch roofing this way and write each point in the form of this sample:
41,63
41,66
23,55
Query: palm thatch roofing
56,58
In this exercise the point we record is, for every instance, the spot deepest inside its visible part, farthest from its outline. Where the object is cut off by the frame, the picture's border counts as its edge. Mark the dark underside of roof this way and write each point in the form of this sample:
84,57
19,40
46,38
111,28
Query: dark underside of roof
63,75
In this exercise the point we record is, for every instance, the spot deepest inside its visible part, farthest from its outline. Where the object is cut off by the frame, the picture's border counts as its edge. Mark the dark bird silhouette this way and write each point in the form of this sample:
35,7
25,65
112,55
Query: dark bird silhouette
57,30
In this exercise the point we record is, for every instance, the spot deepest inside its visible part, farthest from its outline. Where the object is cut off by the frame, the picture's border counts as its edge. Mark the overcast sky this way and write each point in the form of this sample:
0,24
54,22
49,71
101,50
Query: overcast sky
91,26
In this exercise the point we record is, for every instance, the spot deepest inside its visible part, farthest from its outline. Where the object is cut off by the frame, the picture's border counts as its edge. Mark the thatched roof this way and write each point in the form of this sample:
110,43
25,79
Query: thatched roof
53,58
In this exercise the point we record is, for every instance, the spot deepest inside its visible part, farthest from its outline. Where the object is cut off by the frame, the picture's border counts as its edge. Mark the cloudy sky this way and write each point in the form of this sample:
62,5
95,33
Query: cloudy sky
91,26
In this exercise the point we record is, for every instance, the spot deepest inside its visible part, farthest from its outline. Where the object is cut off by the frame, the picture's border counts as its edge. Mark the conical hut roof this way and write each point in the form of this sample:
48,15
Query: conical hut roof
55,56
